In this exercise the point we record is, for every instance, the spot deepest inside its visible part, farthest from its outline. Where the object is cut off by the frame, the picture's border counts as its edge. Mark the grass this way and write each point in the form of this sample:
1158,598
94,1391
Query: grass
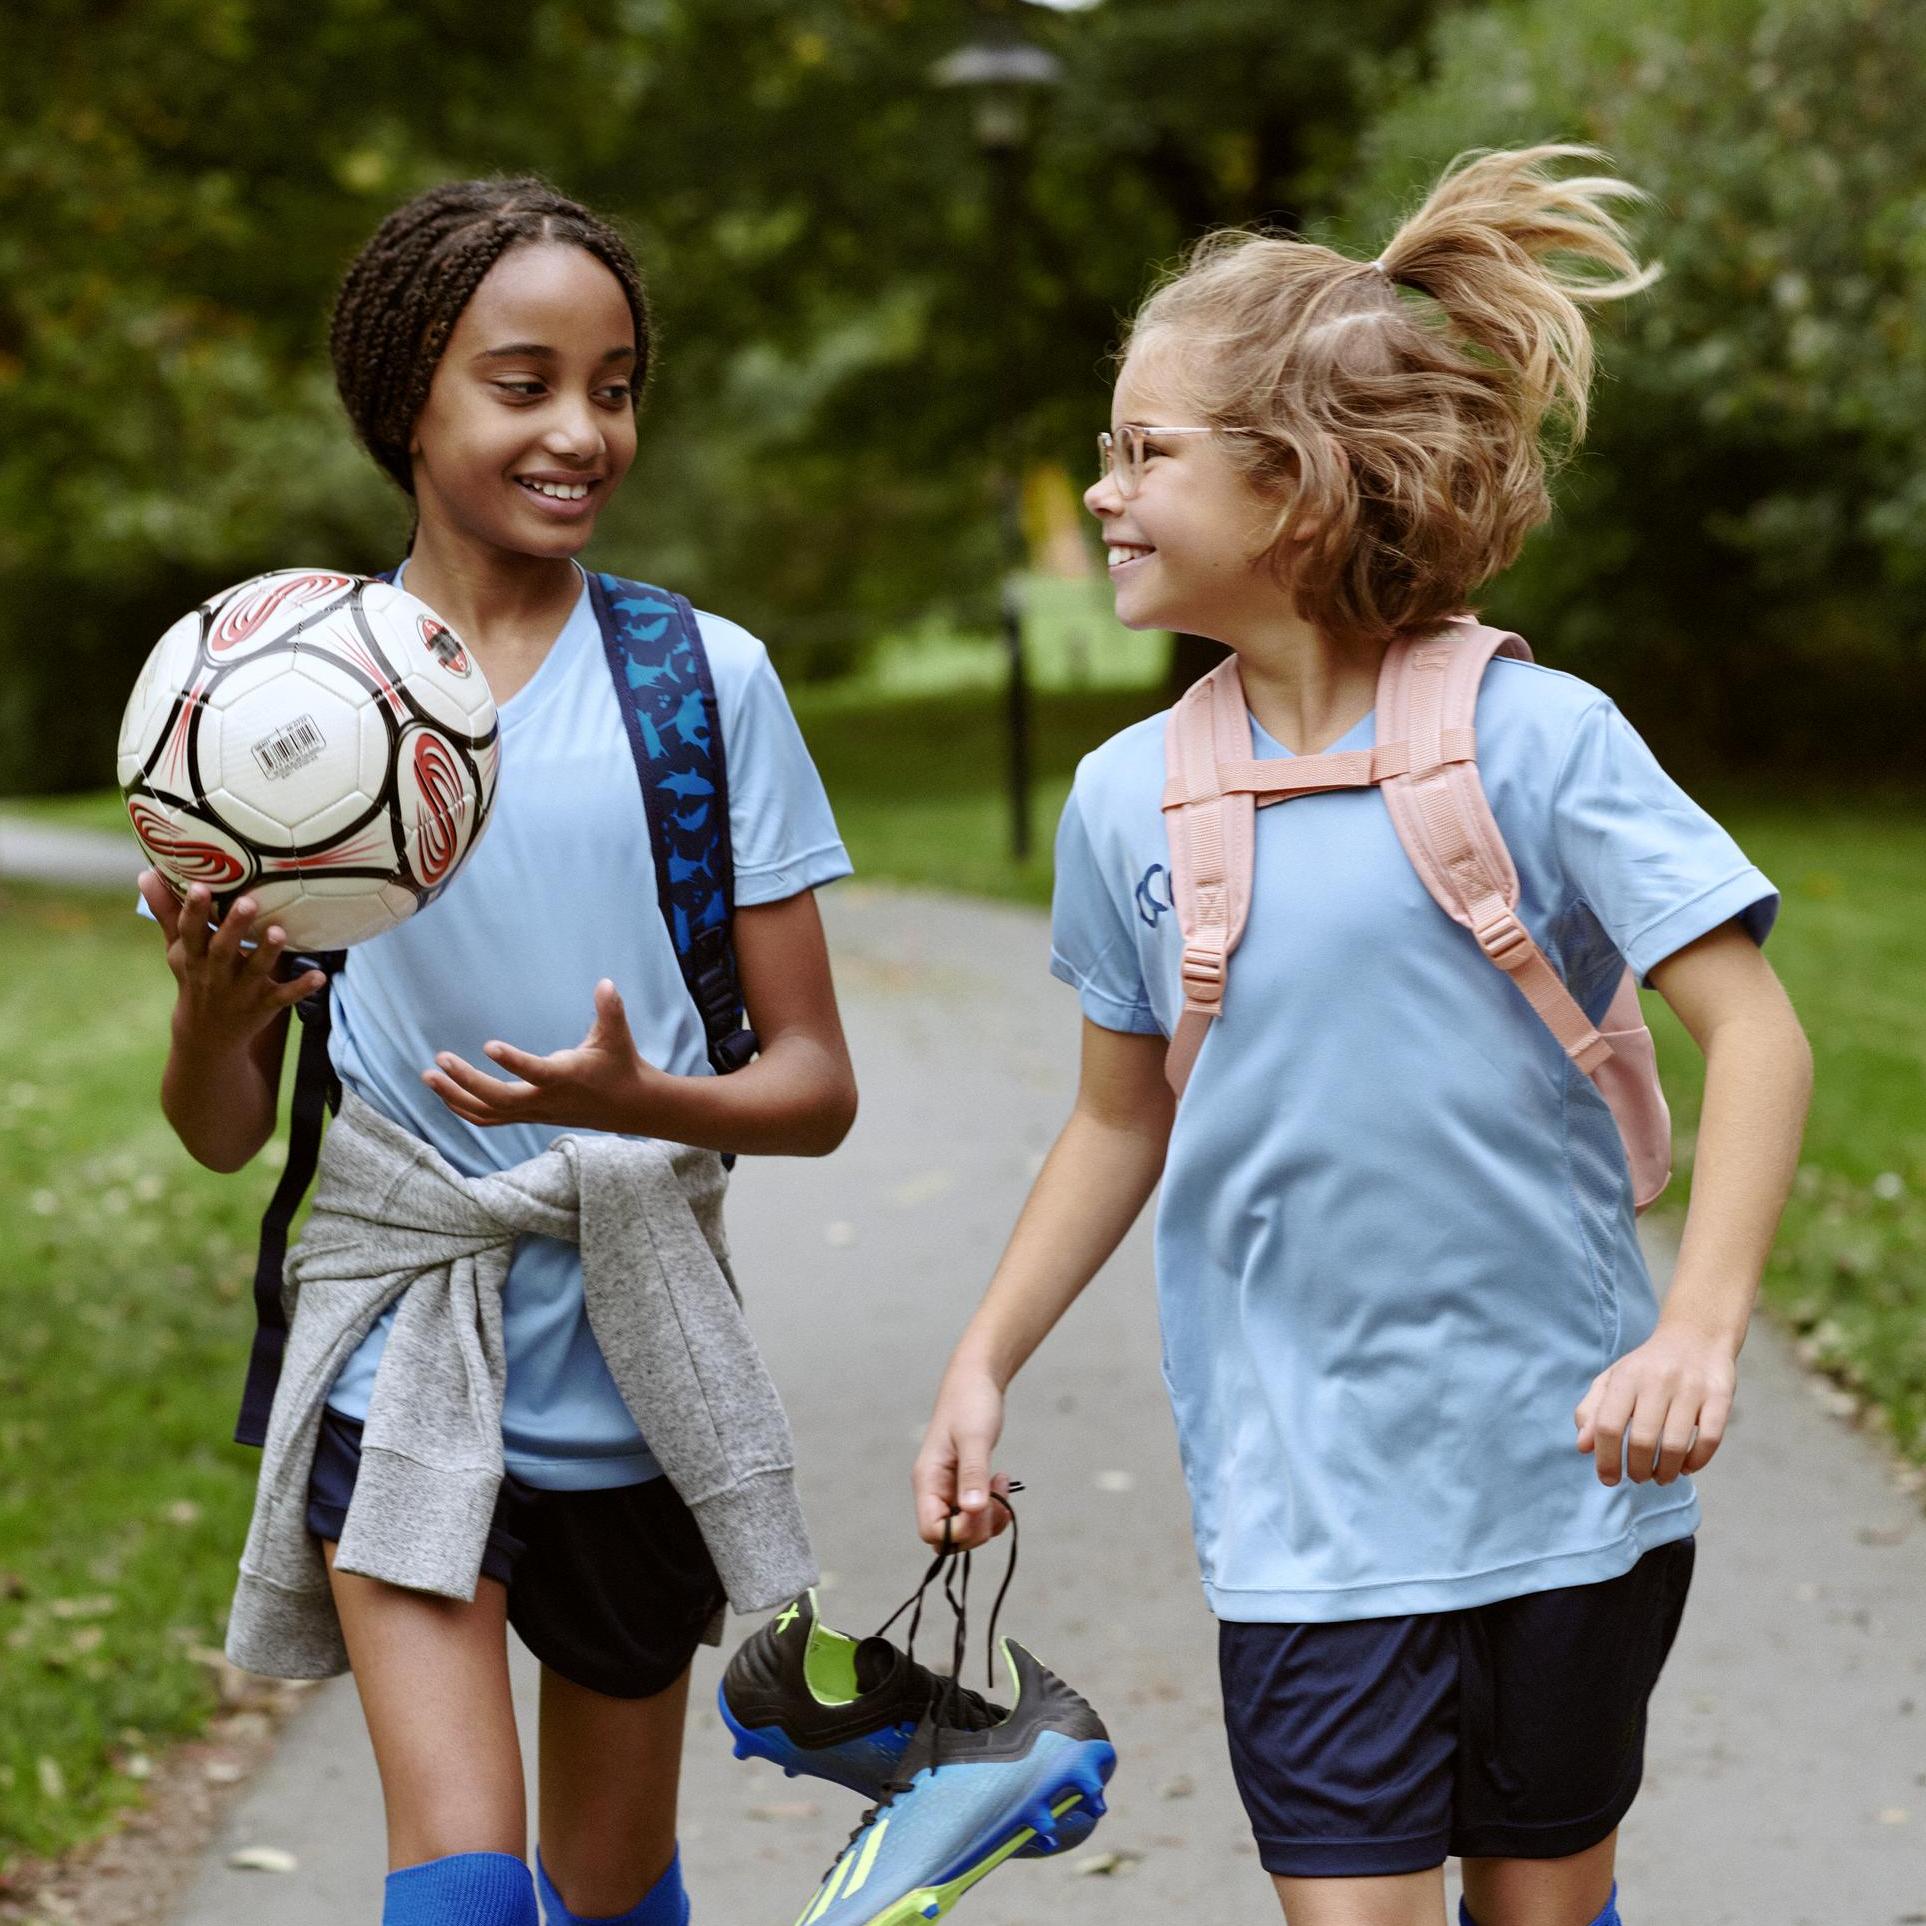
124,1267
124,1272
1849,1271
91,809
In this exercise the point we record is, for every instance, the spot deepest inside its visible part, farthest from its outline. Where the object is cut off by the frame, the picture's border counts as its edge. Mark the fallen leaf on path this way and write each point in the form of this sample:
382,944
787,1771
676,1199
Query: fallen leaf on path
267,1859
1104,1864
924,1188
1882,1534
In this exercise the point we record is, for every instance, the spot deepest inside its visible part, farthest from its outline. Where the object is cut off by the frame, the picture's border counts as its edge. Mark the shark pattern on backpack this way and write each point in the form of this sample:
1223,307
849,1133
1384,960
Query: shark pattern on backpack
1426,766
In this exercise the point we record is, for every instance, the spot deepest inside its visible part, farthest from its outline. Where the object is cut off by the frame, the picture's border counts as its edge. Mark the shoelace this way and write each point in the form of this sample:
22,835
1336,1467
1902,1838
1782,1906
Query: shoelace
955,1705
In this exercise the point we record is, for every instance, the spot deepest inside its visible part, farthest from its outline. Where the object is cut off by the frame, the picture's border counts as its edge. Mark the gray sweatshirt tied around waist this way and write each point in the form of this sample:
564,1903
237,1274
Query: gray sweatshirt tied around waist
393,1219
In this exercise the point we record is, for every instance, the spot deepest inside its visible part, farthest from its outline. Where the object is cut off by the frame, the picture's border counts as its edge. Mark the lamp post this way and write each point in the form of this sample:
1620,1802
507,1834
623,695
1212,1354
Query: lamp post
1002,71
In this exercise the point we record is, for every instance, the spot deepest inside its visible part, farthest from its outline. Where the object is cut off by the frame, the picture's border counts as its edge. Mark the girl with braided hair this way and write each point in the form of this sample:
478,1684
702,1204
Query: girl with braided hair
491,344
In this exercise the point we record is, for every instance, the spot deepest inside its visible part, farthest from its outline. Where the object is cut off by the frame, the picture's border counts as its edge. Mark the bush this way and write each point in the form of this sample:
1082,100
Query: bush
1740,552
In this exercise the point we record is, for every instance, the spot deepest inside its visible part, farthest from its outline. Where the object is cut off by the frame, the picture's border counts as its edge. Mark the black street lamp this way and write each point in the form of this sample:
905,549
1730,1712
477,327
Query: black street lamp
1002,72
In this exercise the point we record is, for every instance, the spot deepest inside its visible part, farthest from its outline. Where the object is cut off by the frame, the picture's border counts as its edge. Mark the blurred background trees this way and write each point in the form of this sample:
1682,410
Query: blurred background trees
184,181
1744,538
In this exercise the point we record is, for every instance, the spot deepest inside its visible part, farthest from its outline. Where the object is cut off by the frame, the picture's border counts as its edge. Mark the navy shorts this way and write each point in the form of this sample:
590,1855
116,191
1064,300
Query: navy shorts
1514,1730
612,1589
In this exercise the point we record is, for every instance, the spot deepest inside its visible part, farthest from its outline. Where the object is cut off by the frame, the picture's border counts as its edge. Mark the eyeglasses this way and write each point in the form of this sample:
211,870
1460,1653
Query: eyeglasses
1122,454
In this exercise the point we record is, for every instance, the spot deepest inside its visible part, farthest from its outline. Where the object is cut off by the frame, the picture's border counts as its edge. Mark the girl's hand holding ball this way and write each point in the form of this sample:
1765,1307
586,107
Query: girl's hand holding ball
228,992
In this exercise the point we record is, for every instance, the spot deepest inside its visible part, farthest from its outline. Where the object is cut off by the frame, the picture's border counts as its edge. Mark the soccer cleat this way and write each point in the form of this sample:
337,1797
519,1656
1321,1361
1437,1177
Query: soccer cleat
814,1700
964,1800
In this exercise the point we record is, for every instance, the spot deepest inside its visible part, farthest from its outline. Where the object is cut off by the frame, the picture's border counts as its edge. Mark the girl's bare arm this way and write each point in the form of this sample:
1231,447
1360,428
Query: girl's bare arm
1758,1080
1663,1408
229,1028
1097,1178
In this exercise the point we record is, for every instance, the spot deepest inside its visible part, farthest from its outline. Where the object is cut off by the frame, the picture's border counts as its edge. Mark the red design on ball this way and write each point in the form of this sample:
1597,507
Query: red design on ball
443,644
245,615
438,814
190,861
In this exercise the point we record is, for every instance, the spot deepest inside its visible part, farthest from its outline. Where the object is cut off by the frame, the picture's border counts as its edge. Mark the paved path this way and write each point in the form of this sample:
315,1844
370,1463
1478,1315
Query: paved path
1786,1782
50,853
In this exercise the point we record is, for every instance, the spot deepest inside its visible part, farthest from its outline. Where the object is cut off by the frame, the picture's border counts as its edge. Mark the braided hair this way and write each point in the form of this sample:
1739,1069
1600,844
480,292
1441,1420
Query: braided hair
406,289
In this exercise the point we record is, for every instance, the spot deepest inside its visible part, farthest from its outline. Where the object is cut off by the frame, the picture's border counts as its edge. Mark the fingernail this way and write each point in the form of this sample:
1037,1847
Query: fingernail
972,1498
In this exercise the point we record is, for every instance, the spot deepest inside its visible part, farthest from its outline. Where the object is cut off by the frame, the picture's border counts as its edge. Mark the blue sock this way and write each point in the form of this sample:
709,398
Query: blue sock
664,1904
466,1889
1609,1917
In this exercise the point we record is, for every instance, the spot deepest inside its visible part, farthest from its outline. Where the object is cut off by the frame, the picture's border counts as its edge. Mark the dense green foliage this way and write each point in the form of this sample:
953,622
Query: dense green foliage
857,317
1741,551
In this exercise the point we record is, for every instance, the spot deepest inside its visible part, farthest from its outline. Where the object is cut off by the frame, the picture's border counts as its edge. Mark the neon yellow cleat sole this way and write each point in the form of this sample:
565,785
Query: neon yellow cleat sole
932,1902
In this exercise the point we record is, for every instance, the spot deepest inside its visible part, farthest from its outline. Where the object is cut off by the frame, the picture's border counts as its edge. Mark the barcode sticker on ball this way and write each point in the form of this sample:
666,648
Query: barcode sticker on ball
292,746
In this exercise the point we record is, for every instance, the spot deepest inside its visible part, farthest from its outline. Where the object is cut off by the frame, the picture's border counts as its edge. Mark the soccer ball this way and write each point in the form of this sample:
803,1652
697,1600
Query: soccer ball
322,742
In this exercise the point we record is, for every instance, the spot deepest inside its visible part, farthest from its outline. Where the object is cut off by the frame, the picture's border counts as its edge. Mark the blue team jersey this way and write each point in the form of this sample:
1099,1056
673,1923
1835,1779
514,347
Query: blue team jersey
560,892
1396,1240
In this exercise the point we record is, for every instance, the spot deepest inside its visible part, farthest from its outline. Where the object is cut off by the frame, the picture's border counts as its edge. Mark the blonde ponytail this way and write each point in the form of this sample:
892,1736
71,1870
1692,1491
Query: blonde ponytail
1482,245
1406,439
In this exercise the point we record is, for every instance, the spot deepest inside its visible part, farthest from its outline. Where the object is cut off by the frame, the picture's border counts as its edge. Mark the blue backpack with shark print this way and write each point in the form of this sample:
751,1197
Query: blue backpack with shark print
667,696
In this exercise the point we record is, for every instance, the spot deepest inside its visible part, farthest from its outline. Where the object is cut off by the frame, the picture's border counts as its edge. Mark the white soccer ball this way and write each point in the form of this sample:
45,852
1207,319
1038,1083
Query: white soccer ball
321,742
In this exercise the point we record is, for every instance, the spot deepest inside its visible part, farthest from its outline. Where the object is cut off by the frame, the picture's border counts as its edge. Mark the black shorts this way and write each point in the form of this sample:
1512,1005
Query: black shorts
1514,1730
612,1589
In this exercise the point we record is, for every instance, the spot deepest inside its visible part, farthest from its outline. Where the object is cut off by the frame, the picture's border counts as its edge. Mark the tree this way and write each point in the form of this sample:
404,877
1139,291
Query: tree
1741,550
846,327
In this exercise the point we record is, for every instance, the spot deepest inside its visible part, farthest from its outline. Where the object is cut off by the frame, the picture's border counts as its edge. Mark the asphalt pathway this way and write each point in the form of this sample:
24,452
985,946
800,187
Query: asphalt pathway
54,853
1786,1778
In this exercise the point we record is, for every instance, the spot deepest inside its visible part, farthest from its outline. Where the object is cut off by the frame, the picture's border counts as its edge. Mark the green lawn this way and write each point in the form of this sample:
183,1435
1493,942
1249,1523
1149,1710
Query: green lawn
1849,1271
124,1268
124,1273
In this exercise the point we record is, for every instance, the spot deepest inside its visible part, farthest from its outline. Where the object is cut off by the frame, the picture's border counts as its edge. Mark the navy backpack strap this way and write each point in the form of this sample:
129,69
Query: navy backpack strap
668,702
317,1094
317,1090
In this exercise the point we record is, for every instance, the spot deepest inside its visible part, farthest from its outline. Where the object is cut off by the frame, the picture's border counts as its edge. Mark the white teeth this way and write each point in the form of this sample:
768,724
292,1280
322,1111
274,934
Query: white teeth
558,491
1122,552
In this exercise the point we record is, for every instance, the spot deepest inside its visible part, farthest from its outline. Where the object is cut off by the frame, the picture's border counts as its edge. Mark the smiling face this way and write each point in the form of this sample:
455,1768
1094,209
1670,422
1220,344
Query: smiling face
1186,550
529,423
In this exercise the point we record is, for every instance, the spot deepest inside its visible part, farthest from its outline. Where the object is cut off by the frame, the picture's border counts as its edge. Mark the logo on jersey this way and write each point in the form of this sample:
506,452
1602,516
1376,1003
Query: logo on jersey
1153,895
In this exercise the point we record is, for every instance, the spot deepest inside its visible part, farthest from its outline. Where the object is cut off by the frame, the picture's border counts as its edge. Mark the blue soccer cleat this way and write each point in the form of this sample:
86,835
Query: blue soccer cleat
965,1800
814,1700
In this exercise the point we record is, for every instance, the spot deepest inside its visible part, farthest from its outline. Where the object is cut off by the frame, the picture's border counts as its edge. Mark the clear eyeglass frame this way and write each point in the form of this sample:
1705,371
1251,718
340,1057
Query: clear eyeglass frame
1122,454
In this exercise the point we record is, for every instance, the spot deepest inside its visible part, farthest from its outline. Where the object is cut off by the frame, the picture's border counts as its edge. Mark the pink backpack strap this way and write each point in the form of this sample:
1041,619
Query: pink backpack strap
1211,840
1427,700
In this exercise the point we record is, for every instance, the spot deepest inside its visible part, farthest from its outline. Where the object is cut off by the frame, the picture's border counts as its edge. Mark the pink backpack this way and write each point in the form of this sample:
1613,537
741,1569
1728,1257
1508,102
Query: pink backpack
1426,765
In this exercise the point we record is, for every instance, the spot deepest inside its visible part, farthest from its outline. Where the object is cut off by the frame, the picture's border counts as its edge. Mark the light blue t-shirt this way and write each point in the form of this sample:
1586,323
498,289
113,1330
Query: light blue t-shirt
1396,1240
560,892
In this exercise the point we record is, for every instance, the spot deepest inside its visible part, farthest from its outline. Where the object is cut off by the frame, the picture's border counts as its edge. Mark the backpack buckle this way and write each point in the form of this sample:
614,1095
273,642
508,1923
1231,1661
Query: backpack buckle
1203,974
1506,941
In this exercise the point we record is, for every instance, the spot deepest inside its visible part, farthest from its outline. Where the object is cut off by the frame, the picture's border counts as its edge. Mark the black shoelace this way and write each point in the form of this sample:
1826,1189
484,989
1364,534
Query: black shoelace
954,1704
